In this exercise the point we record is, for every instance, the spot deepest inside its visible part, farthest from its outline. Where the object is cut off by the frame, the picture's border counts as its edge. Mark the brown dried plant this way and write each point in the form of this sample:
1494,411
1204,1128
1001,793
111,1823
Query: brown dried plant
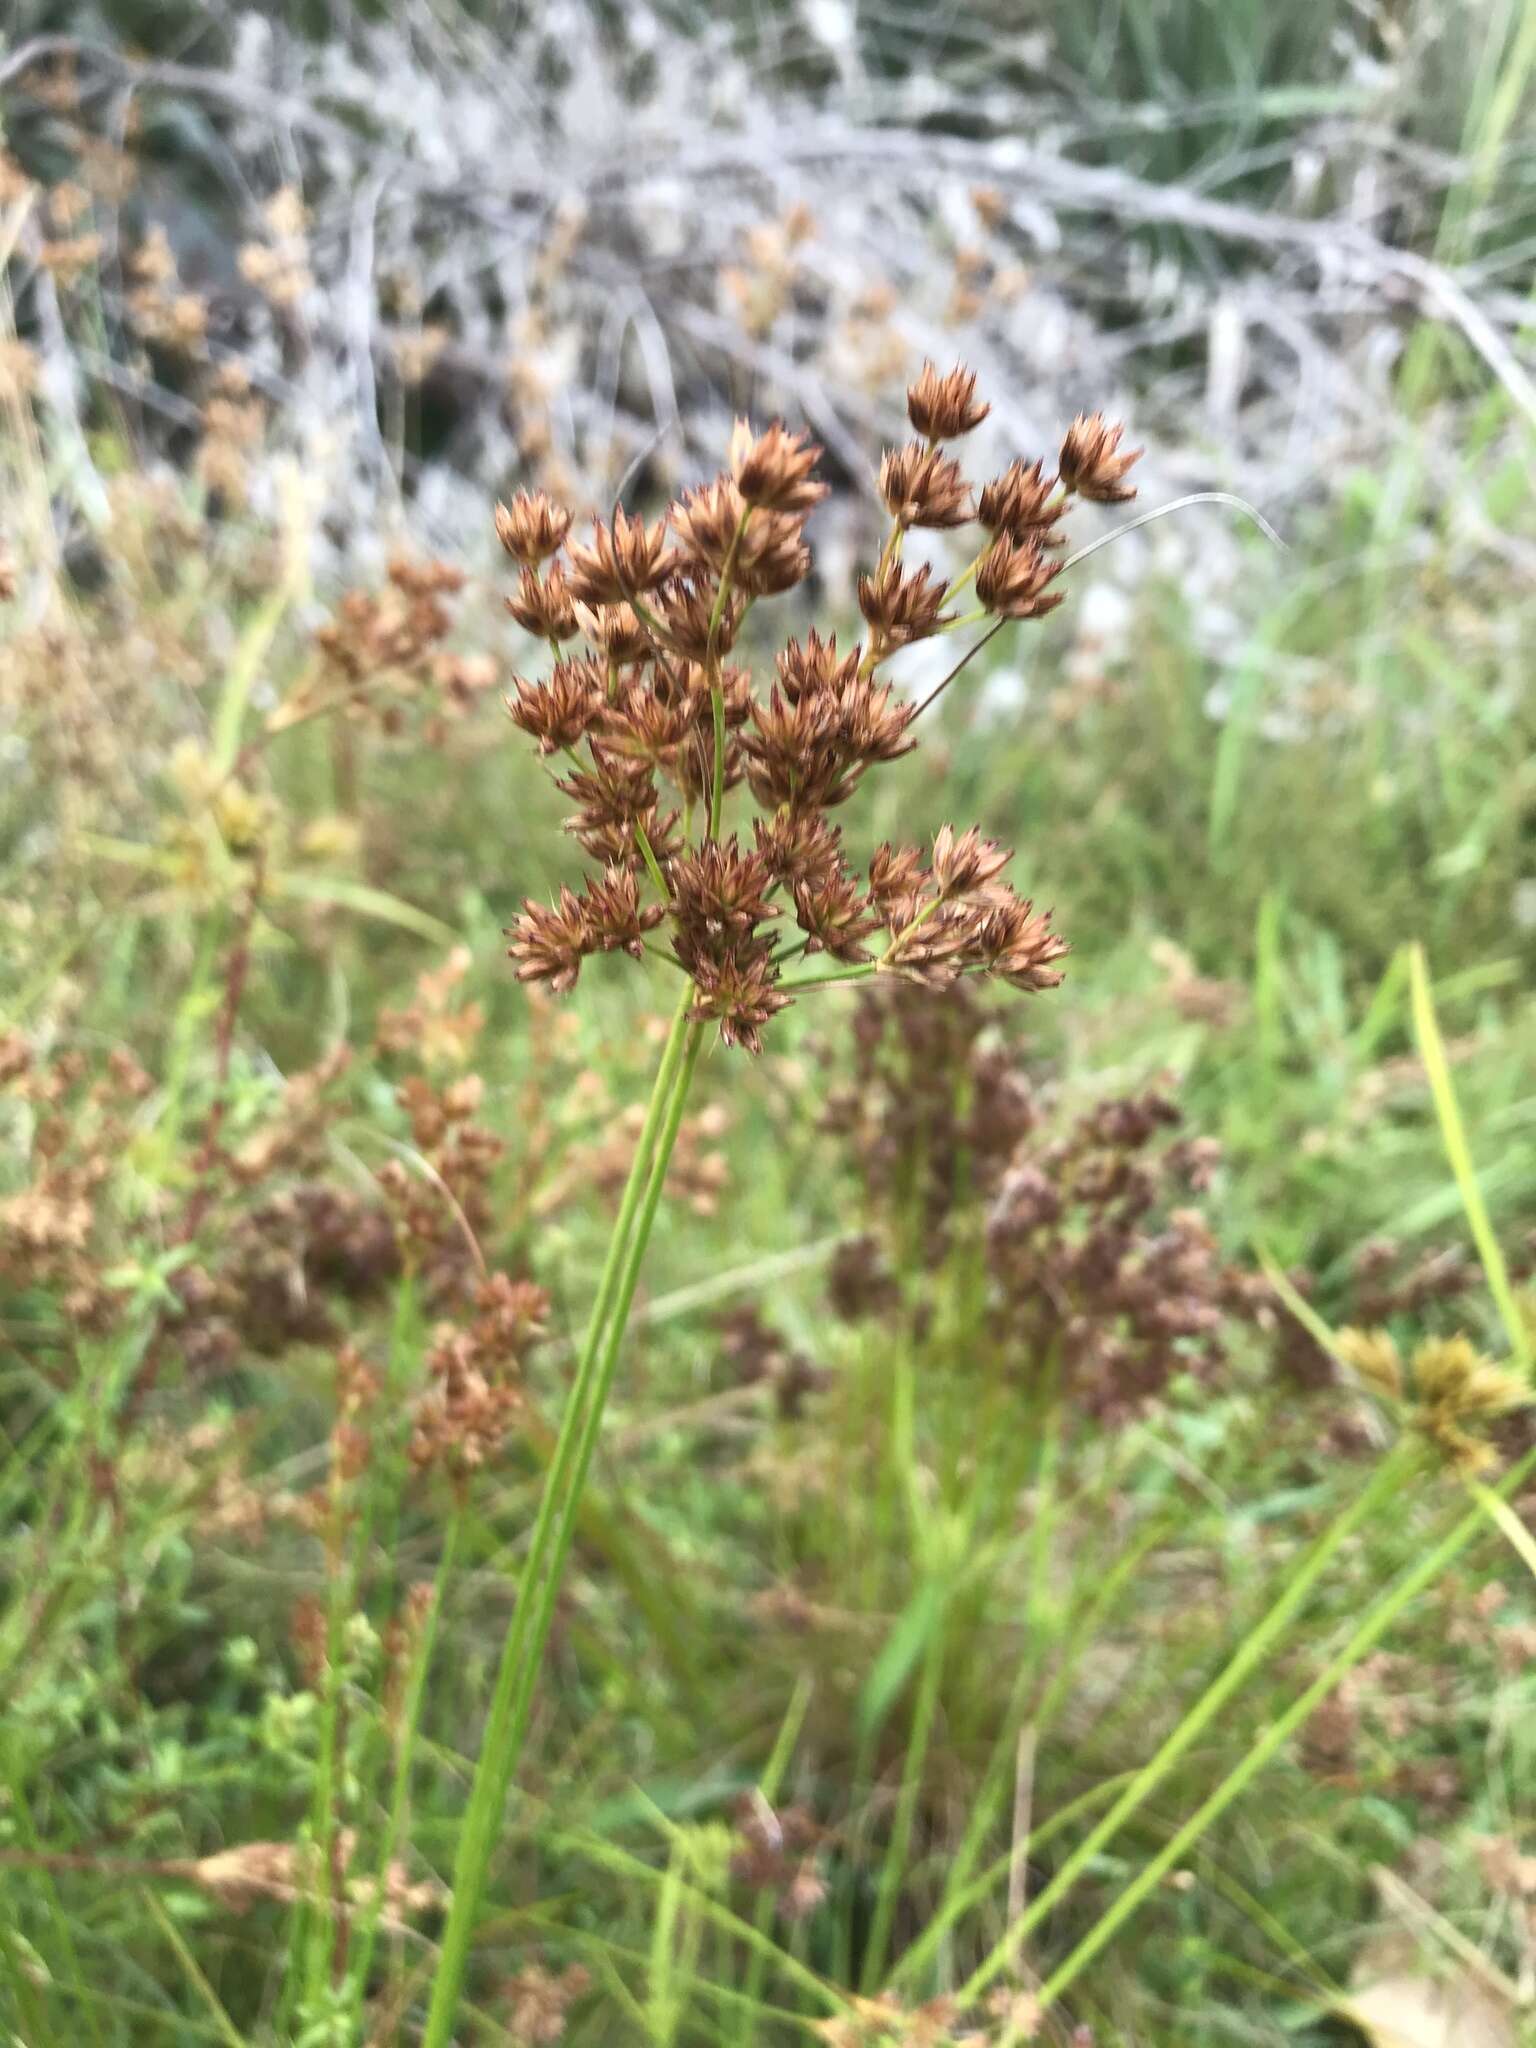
656,727
1102,1275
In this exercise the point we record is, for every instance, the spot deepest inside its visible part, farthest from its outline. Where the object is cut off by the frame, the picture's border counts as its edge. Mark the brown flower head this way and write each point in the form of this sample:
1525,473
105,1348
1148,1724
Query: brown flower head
550,941
705,522
615,918
902,606
615,790
1012,941
835,916
773,556
739,993
1090,461
1022,502
812,669
719,895
621,559
1015,577
686,609
965,862
922,486
800,846
616,841
895,875
543,605
941,408
561,710
532,527
775,469
617,630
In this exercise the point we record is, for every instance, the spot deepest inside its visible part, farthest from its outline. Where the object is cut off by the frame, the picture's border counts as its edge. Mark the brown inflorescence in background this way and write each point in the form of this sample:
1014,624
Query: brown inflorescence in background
655,729
1099,1263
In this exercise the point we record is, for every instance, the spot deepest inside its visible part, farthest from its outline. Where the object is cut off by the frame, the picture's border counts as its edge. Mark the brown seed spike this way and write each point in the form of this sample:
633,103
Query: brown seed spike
923,487
550,941
1023,501
532,528
543,606
902,608
941,408
560,711
1091,464
1013,581
775,469
620,560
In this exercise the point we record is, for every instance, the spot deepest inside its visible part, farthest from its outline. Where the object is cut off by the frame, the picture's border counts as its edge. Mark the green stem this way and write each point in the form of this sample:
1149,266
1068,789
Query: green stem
405,1756
924,1711
507,1722
1247,1658
1360,1644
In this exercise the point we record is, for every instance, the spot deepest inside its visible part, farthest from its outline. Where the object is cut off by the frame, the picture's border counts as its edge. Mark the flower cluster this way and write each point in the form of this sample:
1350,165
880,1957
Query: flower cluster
1100,1266
652,727
474,1378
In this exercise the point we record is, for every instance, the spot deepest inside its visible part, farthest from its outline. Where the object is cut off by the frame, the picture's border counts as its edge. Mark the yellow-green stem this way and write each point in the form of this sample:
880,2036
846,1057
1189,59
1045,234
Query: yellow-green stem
1275,1736
507,1722
1247,1658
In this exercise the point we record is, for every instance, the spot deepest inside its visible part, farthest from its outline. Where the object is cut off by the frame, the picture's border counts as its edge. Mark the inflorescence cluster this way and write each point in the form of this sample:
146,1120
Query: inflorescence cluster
654,727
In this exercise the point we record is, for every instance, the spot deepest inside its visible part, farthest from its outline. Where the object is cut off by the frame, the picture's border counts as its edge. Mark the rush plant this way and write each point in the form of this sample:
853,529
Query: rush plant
658,734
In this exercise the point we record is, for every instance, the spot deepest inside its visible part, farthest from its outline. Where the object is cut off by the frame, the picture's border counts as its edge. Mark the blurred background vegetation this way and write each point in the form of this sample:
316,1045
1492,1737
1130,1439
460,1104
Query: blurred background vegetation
291,295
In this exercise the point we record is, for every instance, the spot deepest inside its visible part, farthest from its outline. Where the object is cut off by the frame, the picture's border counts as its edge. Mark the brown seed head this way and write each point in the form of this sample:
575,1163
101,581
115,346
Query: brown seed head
550,941
1022,502
835,917
686,608
617,630
895,875
775,469
561,710
902,606
740,994
621,559
965,862
800,846
719,895
812,669
1090,463
941,408
1015,577
922,486
543,606
532,527
705,522
616,919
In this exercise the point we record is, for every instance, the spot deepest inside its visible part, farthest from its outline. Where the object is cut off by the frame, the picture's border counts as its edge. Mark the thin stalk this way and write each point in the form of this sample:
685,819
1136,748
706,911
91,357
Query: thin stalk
405,1756
768,1786
1360,1643
507,1722
924,1712
1249,1655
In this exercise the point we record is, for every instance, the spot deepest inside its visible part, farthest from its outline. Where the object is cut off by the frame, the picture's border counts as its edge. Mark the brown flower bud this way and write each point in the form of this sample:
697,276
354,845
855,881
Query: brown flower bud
532,527
775,469
922,486
1022,502
543,606
561,710
1090,463
940,408
1013,578
902,607
620,560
